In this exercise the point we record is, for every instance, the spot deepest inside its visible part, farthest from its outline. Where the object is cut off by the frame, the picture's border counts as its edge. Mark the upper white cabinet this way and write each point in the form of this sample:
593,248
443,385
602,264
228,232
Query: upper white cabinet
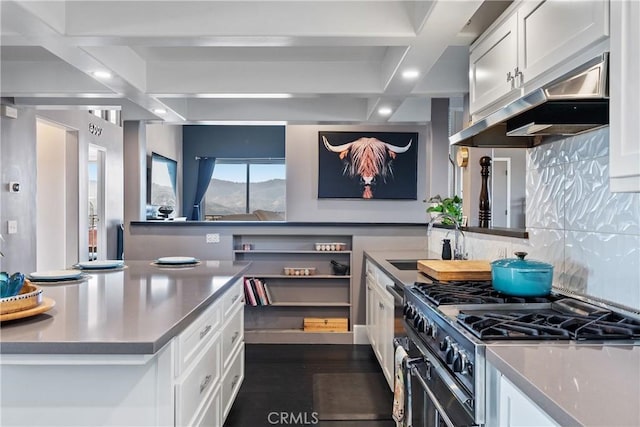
493,62
624,86
532,43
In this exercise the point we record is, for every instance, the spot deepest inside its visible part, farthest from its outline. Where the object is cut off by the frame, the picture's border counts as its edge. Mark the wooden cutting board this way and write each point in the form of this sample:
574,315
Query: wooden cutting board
456,269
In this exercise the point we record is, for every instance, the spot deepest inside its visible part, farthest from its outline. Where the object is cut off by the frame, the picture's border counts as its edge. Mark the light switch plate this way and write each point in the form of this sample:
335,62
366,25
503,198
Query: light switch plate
12,227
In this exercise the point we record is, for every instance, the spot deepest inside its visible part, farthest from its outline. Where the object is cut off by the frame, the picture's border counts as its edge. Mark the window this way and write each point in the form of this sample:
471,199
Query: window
246,185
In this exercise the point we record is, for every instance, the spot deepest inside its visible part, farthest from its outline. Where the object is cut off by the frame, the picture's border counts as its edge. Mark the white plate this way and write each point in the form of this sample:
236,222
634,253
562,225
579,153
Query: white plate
176,260
55,275
98,264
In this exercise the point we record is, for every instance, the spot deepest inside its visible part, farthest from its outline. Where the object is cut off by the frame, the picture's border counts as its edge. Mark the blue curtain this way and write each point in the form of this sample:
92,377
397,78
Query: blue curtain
205,172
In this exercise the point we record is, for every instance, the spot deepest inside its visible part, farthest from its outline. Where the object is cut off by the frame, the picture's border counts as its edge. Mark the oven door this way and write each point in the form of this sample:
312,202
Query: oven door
433,397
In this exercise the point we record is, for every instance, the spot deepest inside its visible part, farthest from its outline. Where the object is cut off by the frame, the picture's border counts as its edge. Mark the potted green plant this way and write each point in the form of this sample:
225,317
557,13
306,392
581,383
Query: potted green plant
448,205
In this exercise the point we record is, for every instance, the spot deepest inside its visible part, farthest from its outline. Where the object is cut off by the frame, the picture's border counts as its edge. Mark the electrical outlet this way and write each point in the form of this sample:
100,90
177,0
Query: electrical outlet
12,227
213,237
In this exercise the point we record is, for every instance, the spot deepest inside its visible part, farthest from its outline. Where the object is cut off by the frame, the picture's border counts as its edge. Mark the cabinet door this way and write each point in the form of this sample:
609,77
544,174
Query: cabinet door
624,144
551,32
492,63
516,409
371,310
386,336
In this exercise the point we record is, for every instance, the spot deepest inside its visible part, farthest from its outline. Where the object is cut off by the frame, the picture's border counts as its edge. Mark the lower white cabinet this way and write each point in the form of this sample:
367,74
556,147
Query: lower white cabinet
508,406
380,319
192,381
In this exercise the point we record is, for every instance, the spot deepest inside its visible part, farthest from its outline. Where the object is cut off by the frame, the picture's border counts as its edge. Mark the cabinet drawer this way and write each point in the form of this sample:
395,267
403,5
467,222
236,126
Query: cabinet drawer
232,336
232,298
198,383
232,380
197,336
211,412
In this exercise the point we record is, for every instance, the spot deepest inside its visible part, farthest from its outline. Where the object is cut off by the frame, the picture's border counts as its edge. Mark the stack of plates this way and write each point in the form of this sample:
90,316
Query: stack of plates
103,264
176,260
55,275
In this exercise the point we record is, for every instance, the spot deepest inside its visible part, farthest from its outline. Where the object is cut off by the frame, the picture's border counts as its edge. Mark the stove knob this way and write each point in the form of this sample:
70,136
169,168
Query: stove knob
434,331
409,311
459,362
428,327
446,343
452,354
466,368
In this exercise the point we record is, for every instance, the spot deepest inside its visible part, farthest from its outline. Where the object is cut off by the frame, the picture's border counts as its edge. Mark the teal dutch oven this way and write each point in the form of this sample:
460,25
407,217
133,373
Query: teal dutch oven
522,277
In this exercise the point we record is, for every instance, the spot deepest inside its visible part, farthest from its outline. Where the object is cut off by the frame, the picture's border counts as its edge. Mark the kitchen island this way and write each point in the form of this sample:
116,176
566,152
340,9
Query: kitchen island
145,345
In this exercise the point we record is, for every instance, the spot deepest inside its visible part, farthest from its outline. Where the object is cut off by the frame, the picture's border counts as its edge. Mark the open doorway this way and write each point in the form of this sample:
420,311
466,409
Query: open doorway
501,192
56,196
96,197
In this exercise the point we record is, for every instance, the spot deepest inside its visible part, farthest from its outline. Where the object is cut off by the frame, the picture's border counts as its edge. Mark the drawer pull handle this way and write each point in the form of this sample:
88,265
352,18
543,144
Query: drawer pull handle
235,381
205,331
205,382
235,337
235,298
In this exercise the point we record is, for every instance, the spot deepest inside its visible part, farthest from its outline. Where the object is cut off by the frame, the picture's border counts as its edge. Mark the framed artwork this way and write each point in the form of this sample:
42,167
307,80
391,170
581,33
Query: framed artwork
367,165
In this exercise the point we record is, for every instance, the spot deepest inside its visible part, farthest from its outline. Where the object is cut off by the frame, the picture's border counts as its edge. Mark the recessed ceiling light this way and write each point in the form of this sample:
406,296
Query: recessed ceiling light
384,111
410,74
159,111
102,74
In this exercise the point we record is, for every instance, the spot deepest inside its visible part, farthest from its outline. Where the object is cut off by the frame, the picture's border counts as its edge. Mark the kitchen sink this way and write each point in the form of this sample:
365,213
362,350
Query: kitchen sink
405,264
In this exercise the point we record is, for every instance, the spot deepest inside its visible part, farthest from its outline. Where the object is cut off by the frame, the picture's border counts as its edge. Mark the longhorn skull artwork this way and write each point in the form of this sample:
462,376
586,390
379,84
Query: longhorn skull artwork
367,158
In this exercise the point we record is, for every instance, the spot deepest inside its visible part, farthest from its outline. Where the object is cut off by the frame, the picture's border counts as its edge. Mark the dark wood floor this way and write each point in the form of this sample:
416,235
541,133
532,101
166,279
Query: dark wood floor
279,379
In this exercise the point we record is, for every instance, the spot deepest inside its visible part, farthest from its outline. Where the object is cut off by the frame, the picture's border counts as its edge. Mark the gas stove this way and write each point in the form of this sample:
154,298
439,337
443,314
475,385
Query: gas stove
450,324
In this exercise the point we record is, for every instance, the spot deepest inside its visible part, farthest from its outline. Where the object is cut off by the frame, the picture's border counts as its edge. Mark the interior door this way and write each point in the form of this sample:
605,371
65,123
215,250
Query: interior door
500,193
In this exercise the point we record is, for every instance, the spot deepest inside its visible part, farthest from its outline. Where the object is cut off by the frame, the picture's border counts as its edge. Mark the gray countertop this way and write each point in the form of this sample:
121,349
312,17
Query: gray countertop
581,384
136,310
575,384
401,278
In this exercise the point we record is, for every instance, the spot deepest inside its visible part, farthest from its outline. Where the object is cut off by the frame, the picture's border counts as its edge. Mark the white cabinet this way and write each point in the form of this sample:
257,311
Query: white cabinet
380,318
508,406
492,64
624,143
517,410
532,43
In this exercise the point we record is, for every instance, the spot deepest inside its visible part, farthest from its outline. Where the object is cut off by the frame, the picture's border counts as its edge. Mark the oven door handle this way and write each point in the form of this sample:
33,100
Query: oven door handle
435,364
432,397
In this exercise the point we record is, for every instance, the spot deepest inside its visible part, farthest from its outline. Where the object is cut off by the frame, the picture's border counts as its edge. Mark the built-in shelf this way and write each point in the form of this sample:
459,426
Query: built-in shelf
303,304
312,276
321,295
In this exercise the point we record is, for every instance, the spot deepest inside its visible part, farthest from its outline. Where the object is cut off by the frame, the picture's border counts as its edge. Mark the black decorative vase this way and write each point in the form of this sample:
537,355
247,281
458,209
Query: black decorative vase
446,249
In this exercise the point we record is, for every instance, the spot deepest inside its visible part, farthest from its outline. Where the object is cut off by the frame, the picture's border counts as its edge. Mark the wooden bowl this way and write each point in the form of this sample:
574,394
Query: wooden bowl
30,296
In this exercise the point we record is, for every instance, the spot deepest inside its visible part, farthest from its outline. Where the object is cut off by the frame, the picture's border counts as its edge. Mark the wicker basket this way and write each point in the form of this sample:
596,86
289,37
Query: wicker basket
30,296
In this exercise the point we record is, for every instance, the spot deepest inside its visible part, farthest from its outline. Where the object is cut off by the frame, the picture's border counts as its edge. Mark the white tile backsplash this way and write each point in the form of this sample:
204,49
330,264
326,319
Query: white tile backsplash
545,197
604,265
590,235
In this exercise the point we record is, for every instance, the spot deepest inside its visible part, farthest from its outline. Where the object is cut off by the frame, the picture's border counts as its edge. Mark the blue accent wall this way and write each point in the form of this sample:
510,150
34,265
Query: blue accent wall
226,142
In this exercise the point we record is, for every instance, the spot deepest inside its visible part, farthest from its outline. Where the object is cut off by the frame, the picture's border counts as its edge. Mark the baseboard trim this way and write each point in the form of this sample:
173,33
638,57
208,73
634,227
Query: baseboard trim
360,334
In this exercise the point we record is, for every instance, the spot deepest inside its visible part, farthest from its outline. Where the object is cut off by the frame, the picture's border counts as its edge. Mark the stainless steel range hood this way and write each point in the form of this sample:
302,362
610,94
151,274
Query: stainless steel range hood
575,103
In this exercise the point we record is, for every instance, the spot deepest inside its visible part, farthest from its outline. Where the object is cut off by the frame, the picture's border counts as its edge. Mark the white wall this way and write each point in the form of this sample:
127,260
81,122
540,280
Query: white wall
51,209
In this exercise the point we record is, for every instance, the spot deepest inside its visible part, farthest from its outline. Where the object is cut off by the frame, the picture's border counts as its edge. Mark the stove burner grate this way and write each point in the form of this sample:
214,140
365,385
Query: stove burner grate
548,324
468,292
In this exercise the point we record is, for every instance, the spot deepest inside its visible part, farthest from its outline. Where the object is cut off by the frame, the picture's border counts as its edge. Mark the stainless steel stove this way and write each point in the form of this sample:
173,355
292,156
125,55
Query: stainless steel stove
449,324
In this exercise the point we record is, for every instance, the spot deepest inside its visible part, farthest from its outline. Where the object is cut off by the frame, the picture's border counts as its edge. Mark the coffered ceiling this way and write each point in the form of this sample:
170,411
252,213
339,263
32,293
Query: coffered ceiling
241,61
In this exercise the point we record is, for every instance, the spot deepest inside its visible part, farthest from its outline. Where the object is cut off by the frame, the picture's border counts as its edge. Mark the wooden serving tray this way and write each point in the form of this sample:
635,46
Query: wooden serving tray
456,269
45,305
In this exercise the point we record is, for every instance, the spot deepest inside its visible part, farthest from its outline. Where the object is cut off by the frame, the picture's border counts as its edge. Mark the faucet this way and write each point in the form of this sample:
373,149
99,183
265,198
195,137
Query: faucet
458,250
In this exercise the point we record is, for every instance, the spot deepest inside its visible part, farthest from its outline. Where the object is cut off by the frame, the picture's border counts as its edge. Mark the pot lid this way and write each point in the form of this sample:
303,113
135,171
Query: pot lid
520,262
